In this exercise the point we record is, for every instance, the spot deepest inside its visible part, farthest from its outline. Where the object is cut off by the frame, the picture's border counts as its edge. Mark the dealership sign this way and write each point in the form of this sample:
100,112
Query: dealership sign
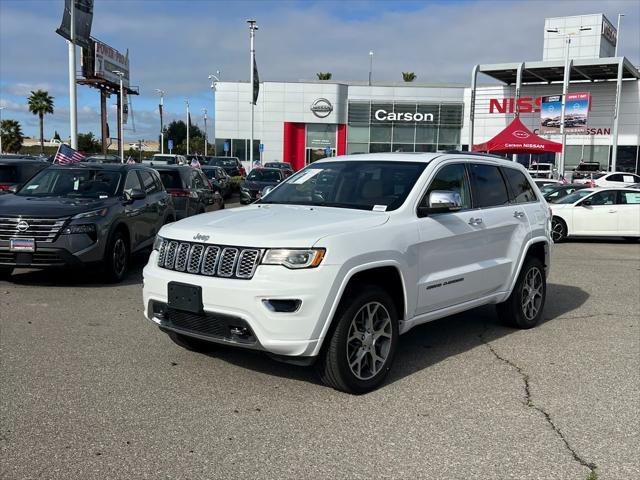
107,60
609,32
575,116
524,104
384,116
321,108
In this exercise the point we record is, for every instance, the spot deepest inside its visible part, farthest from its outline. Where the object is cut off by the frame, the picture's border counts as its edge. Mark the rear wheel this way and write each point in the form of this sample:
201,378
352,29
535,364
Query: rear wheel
558,230
359,353
189,343
523,308
116,262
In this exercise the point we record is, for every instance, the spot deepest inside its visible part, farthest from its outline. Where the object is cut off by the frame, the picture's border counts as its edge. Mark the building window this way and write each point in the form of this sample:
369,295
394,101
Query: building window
627,159
319,135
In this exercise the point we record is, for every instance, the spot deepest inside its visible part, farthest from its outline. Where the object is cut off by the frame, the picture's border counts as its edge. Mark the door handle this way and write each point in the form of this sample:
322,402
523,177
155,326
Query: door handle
517,214
612,211
475,221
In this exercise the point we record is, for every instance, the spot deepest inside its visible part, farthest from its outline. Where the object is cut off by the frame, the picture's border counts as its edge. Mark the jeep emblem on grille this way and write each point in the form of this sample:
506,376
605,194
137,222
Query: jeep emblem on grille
202,238
23,226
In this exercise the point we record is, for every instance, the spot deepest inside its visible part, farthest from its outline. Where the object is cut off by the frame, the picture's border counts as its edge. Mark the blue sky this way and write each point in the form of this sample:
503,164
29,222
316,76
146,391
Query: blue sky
175,44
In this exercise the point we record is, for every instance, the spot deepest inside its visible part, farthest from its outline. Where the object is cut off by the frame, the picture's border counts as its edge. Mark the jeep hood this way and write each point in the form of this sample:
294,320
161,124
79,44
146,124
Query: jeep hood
272,226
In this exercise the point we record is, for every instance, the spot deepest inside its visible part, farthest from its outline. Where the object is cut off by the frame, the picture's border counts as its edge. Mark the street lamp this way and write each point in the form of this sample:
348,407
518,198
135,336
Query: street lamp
620,15
214,78
186,101
1,108
370,65
161,93
565,88
204,111
121,130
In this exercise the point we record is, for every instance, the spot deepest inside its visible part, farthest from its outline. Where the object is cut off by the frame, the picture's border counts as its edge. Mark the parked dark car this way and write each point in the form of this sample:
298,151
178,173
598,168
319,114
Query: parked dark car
190,189
102,159
14,171
257,180
284,166
554,193
232,165
71,215
219,178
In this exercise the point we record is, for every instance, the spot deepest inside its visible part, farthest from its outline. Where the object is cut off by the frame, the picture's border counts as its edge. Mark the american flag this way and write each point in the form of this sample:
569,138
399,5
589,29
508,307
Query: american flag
67,155
195,163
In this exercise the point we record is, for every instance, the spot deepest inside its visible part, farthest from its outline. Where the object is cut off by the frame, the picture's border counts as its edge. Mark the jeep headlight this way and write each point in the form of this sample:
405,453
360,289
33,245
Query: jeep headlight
294,258
157,243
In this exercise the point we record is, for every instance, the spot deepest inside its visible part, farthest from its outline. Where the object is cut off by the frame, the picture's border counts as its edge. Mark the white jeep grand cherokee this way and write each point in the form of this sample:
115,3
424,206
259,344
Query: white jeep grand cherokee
344,256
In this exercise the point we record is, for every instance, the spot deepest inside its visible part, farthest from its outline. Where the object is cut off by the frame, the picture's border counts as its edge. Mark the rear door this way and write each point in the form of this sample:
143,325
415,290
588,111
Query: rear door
629,213
527,207
596,214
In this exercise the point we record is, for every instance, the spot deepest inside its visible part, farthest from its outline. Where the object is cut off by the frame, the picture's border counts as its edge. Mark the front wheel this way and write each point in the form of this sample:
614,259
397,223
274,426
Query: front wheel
359,353
523,308
116,261
558,230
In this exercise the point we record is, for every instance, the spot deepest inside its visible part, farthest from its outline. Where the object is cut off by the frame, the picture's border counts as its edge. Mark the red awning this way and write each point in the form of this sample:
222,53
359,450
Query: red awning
516,138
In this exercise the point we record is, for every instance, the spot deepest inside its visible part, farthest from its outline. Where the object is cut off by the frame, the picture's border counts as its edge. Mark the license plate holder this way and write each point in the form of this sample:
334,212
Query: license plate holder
22,245
185,297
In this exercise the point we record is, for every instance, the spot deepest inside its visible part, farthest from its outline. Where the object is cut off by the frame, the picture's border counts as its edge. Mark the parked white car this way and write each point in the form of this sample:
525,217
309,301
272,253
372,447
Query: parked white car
617,179
601,212
543,170
338,260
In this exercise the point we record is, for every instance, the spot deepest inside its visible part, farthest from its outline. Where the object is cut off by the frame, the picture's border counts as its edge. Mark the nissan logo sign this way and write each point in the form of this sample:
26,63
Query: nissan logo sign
23,226
520,134
321,108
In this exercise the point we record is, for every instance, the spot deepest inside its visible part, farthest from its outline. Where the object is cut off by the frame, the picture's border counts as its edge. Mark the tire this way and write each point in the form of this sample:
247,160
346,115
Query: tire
631,239
5,272
190,343
116,260
521,312
558,230
353,337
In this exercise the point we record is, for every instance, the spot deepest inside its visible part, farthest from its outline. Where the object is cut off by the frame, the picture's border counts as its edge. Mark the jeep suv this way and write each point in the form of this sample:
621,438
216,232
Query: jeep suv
336,262
70,215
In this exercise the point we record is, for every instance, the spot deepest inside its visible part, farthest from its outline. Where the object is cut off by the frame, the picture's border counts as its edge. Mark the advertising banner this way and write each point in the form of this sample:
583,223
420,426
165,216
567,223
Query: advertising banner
575,117
83,20
107,60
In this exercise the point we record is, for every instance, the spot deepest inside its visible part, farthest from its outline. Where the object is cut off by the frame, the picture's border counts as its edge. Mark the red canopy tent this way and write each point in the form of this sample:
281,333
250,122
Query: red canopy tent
516,138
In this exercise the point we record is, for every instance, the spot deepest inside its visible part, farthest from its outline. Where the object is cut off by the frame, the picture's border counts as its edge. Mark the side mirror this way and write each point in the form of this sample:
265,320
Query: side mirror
585,203
135,194
441,201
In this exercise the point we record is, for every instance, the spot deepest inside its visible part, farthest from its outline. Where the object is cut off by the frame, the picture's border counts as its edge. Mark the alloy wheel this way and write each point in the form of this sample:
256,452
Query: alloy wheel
532,289
119,256
369,340
557,230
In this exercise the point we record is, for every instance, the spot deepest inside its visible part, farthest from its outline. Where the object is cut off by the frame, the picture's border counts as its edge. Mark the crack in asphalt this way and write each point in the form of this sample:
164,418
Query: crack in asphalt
529,403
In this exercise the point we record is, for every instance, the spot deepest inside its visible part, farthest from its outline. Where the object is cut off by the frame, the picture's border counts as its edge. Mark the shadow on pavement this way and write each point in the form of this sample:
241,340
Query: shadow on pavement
426,344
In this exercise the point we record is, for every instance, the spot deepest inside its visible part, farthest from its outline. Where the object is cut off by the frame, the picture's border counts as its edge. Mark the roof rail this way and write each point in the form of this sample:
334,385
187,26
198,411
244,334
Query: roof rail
465,152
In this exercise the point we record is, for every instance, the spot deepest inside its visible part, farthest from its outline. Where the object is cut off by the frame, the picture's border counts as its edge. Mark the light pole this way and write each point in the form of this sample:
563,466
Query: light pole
370,65
1,108
186,100
73,100
214,78
620,15
121,129
160,107
204,111
565,88
252,33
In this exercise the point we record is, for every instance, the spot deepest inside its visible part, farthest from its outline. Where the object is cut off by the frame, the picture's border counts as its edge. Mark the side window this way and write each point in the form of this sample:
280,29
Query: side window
132,181
196,181
629,198
603,198
520,186
488,186
615,178
451,178
148,182
156,178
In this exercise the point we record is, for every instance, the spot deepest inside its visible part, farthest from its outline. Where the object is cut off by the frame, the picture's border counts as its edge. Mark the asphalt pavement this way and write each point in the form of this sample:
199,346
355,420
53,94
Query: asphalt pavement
91,390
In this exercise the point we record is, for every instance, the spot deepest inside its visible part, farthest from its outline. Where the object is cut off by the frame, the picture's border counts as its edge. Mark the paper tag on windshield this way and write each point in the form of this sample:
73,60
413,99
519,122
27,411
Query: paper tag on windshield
309,174
379,208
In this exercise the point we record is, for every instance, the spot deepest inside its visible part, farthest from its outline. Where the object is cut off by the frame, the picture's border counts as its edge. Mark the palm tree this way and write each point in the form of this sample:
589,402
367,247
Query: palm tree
11,134
324,75
408,76
41,103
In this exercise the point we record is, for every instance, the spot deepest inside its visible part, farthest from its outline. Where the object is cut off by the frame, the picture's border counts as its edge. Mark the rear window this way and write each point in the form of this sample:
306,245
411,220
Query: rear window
171,179
8,174
258,175
520,187
223,162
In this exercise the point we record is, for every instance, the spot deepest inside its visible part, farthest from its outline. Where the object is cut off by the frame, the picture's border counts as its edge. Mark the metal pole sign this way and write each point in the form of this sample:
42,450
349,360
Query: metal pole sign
226,147
327,150
170,145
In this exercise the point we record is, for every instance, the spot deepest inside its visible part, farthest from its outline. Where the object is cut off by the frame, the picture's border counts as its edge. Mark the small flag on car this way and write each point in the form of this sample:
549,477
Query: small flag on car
257,164
195,163
563,181
67,155
130,161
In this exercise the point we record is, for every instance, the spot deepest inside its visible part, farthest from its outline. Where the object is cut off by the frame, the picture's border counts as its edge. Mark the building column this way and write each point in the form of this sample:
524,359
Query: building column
472,105
616,116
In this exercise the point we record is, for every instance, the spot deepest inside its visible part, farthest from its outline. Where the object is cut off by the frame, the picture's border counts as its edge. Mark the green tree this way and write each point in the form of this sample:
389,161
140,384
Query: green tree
56,136
41,103
324,75
409,76
87,143
12,136
177,131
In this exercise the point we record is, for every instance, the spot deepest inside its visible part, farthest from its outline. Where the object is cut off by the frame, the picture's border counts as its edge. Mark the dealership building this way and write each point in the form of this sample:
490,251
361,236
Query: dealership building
300,122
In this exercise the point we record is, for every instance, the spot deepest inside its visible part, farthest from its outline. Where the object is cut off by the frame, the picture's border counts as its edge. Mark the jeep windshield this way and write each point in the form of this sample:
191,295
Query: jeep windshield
364,185
63,182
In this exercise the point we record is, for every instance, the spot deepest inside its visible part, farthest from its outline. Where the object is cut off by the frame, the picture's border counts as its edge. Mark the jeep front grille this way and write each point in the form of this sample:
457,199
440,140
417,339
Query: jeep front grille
209,260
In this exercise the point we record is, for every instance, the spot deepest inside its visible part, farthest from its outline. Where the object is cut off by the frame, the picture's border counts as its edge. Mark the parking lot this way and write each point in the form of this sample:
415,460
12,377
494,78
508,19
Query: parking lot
90,389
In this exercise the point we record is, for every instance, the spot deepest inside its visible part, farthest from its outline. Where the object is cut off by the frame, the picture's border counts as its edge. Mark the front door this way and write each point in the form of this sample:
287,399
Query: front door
596,215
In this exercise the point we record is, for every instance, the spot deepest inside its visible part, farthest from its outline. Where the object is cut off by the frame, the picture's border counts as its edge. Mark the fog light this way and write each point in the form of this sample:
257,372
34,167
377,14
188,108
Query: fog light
282,306
239,331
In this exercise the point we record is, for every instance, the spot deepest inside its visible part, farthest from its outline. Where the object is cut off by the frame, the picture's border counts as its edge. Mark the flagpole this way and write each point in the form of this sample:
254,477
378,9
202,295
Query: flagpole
73,103
252,28
188,122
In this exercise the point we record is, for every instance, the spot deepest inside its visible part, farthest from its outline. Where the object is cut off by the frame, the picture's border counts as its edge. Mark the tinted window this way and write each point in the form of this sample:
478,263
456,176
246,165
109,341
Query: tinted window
171,179
603,198
575,196
132,181
630,198
8,174
614,178
452,178
520,187
488,186
259,175
148,183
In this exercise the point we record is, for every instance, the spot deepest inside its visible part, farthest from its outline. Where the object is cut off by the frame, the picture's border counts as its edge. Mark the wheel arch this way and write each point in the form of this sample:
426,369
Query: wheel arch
540,248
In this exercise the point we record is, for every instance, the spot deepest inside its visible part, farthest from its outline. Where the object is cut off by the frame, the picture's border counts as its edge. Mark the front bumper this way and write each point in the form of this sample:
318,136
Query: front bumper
279,333
67,250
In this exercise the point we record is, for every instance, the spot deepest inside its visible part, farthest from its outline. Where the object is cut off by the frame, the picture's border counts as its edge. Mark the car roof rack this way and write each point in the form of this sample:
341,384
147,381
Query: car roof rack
465,152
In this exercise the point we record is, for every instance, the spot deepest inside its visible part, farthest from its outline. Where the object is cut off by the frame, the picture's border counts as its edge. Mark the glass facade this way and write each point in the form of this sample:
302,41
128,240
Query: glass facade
238,147
403,126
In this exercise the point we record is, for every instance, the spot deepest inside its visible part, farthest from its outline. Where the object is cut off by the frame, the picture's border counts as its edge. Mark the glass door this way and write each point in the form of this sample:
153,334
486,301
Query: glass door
314,154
